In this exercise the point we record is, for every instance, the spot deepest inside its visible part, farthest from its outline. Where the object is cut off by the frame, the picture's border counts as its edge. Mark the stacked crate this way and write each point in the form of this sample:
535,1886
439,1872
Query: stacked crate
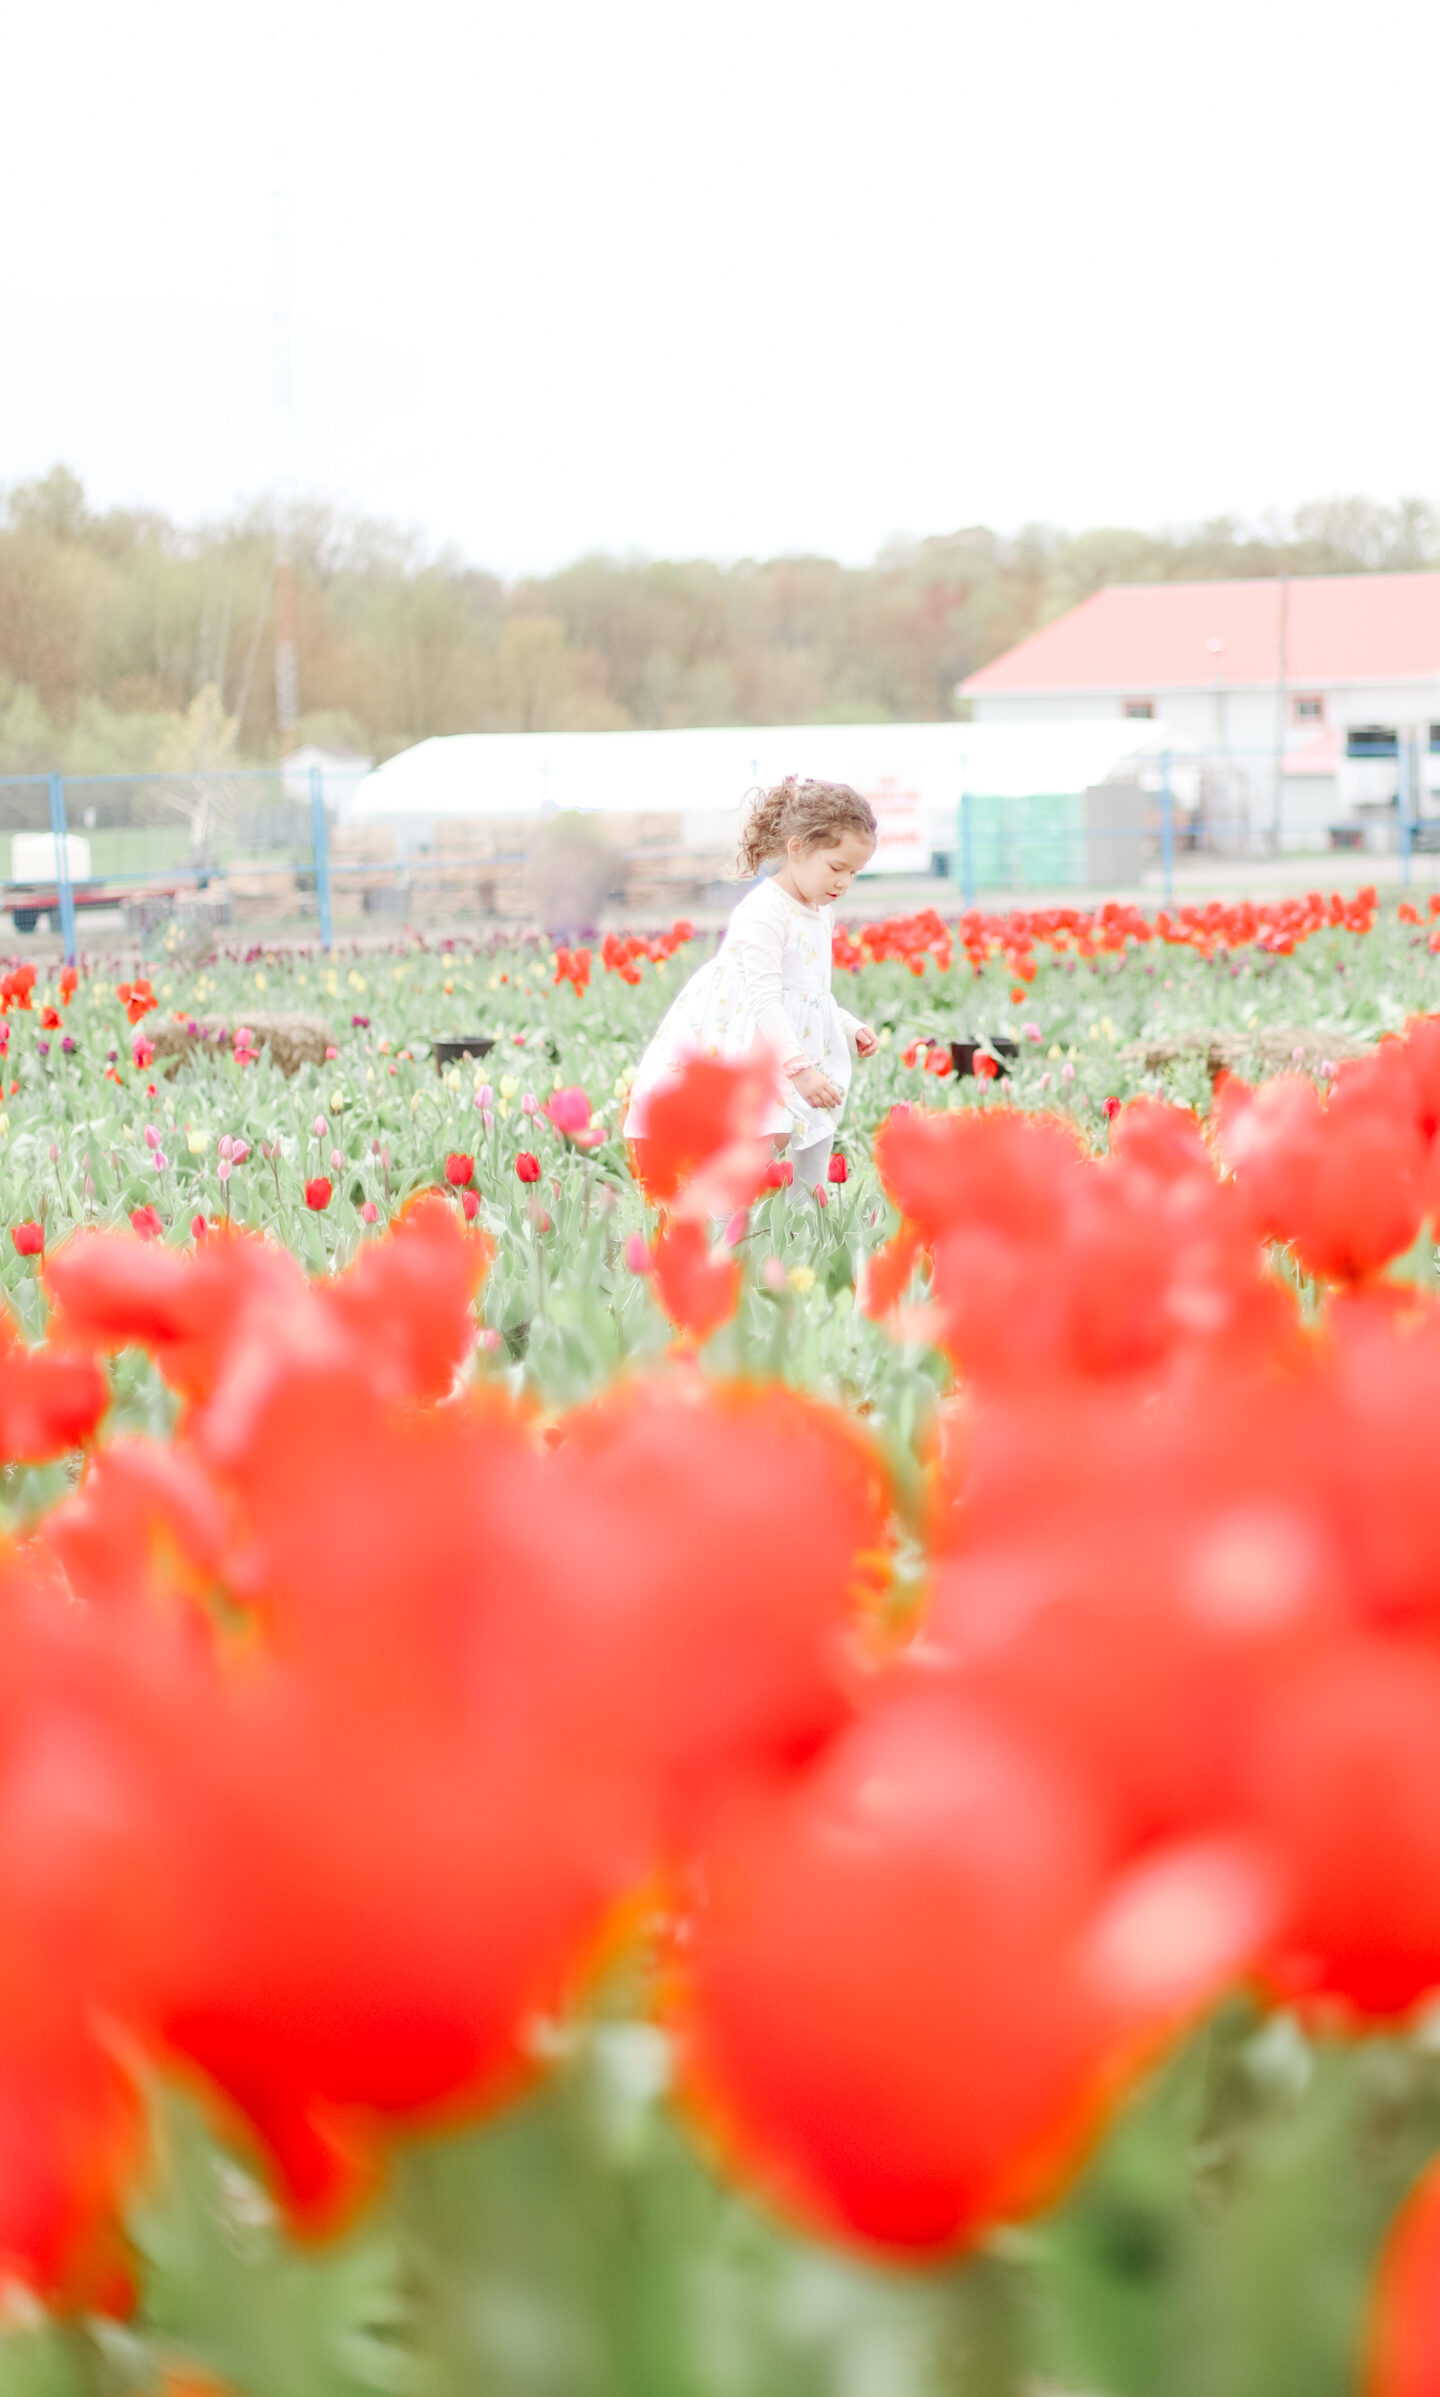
476,868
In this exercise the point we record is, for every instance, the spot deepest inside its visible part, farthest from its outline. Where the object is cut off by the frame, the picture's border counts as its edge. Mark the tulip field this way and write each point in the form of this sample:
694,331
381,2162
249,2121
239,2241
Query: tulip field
620,1780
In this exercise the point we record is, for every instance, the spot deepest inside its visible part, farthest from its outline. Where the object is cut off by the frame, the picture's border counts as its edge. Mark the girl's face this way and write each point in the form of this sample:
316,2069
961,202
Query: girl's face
824,874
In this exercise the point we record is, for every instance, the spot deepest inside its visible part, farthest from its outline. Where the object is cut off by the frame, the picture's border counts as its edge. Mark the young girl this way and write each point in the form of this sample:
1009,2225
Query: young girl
770,978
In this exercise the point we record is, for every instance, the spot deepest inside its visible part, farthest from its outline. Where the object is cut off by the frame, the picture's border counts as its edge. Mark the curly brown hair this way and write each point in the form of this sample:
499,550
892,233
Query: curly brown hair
811,812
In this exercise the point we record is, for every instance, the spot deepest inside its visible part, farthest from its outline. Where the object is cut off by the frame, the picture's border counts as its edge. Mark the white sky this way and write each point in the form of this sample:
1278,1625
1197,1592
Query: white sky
726,280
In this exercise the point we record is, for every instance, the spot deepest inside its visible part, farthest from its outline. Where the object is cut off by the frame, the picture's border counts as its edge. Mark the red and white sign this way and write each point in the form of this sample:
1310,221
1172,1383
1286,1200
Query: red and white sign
899,816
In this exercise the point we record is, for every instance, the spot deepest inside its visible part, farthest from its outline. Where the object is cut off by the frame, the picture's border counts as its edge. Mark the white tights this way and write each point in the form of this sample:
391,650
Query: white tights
811,1165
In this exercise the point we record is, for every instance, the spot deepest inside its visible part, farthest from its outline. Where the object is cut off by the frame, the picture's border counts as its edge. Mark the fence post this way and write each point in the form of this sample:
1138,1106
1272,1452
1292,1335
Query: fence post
62,866
320,844
967,851
1167,830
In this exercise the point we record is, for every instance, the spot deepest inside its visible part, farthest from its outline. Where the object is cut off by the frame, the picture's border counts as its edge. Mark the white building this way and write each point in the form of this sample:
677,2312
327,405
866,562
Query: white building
914,776
1315,699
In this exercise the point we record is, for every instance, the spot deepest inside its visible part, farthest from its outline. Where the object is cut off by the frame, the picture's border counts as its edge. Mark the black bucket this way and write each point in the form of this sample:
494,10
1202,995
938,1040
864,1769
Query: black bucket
963,1053
468,1044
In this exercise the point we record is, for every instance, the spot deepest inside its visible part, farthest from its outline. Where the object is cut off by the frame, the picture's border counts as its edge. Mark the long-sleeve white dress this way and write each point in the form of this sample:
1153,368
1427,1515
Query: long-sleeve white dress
769,980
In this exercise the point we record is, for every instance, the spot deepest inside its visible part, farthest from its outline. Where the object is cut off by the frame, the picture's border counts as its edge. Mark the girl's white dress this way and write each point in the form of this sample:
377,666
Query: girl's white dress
769,980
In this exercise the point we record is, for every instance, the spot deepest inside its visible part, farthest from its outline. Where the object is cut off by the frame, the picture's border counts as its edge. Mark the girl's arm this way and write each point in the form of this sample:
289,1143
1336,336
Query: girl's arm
855,1030
757,944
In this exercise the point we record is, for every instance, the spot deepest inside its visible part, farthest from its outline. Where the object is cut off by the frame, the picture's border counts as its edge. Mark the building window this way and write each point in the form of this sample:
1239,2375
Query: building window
1307,708
1435,740
1371,740
1143,708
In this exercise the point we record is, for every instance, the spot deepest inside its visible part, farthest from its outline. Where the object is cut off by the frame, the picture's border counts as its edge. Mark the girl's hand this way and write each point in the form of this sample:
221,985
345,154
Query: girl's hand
865,1041
816,1088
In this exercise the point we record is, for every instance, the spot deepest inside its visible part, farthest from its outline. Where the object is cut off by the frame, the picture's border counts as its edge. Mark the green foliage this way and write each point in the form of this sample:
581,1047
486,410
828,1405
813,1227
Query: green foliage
1219,2244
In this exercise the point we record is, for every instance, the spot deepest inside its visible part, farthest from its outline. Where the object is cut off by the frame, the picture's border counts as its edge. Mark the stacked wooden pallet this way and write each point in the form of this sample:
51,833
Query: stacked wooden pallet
479,867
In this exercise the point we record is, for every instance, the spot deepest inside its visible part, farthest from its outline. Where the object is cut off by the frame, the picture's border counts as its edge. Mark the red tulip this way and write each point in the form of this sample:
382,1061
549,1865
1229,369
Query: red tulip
935,1870
527,1166
50,1401
459,1170
137,997
1343,1180
29,1239
700,1148
837,1170
145,1222
1347,1795
317,1193
698,1292
469,1205
1404,2346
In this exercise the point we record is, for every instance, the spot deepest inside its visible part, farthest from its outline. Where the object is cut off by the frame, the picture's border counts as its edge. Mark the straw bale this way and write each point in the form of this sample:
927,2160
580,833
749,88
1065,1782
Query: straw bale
293,1040
1272,1047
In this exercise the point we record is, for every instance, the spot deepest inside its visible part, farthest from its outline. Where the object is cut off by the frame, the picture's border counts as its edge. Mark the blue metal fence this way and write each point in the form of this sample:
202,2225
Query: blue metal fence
259,844
147,842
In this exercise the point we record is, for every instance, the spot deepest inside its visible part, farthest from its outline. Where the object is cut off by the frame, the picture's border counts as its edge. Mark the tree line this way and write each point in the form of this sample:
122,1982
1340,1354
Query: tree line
128,642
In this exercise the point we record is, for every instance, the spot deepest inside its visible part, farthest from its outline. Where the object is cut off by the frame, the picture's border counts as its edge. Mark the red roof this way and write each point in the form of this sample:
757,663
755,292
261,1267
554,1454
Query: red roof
1147,637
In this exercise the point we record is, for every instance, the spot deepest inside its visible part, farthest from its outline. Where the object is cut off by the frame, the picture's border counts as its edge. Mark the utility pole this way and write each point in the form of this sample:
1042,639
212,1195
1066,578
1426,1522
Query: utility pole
287,671
1281,680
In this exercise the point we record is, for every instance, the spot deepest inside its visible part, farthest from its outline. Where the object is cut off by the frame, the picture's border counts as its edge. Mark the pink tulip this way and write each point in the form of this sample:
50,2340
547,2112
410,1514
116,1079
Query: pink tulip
637,1254
568,1110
